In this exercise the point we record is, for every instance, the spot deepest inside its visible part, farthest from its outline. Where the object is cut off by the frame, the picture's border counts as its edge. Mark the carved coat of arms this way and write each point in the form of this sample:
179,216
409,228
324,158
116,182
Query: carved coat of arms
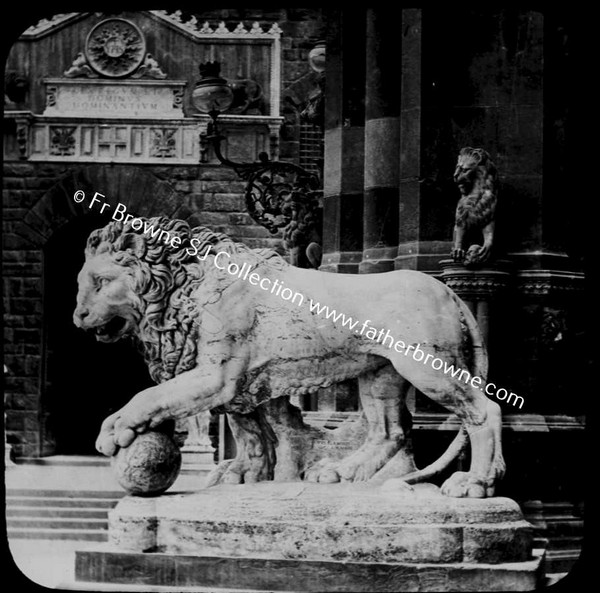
115,47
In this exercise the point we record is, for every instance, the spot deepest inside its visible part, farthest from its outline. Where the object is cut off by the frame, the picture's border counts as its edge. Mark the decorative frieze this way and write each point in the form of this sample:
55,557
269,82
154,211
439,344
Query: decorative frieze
481,283
549,282
115,141
152,140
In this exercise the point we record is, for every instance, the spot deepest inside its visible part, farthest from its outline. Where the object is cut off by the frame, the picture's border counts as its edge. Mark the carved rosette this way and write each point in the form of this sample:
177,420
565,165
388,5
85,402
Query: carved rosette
115,47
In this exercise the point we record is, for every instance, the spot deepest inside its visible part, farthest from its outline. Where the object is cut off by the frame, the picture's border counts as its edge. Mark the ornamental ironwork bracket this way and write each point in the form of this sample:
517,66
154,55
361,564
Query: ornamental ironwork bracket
279,195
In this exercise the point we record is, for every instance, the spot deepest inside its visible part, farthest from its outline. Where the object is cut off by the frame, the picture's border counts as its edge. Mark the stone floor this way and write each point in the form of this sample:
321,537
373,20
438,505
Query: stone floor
80,474
51,563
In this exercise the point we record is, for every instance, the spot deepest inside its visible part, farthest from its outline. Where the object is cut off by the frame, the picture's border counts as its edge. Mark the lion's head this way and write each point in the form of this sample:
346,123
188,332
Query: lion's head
474,171
107,300
134,282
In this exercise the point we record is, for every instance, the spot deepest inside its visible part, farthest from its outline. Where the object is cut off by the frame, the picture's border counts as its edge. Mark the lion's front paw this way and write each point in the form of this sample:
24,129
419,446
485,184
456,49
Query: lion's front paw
466,485
120,429
106,442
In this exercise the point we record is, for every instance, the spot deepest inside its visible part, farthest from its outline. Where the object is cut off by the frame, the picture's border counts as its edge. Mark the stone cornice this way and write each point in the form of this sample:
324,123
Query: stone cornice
174,19
483,282
545,282
45,26
205,30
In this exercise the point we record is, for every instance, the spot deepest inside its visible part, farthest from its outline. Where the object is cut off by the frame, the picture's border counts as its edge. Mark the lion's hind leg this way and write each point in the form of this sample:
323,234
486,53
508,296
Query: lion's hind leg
382,395
255,458
483,422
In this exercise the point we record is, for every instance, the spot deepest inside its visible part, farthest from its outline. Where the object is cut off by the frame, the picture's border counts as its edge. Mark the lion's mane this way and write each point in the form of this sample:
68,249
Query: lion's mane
166,279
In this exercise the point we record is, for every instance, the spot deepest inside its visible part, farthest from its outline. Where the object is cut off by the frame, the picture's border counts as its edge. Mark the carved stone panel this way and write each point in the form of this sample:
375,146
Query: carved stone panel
163,142
62,140
98,98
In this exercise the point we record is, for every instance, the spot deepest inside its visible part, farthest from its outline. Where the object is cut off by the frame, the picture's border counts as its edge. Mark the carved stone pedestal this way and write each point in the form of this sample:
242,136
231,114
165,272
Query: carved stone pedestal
197,458
317,537
478,287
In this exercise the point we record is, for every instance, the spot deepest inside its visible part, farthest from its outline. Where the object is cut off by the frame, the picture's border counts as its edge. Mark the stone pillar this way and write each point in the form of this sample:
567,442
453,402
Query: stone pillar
344,141
382,141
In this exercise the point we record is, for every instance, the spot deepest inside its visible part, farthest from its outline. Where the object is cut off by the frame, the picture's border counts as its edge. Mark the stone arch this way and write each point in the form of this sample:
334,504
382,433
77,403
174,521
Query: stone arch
144,193
140,190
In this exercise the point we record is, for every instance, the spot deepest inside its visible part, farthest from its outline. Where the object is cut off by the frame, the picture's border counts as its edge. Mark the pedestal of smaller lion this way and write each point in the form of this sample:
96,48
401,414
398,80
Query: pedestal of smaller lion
317,537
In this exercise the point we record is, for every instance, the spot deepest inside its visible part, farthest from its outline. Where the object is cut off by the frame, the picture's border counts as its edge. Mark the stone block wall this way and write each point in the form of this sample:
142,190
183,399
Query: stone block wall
36,203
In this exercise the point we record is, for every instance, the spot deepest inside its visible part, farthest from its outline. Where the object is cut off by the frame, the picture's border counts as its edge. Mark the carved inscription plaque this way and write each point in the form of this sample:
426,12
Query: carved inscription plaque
113,99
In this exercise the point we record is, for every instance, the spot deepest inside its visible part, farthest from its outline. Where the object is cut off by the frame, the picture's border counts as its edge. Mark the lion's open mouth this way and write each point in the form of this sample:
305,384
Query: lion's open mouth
111,330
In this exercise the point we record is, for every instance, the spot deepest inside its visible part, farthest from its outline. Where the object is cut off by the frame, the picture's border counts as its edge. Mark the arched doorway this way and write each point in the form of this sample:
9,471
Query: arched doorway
85,379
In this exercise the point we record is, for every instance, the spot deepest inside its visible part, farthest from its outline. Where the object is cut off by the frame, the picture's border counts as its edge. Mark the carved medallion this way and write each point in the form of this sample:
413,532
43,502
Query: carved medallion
115,47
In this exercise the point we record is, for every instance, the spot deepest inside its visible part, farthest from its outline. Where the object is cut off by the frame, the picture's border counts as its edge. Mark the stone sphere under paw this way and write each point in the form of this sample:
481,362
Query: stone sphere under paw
149,465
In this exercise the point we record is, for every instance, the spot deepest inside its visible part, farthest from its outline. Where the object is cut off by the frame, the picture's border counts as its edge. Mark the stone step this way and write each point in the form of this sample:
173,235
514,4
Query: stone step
96,535
14,510
56,523
564,527
558,561
268,574
143,588
565,543
60,501
67,460
52,493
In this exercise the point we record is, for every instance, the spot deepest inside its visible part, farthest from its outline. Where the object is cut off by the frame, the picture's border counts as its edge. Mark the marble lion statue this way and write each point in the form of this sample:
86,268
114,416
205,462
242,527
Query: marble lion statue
215,340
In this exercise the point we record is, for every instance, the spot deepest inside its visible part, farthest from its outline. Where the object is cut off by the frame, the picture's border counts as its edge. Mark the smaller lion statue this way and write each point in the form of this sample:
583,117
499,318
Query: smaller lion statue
477,180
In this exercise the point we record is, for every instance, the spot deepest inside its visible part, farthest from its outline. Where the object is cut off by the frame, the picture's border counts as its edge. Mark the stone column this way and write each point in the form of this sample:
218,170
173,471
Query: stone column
344,141
382,141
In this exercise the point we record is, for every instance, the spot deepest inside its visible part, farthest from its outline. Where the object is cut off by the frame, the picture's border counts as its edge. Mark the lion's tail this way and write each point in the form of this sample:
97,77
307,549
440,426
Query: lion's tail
438,466
479,367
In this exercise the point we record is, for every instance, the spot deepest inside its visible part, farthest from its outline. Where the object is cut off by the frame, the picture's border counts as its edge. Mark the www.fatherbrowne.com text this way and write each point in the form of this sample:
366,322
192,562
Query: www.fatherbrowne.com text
276,287
382,336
